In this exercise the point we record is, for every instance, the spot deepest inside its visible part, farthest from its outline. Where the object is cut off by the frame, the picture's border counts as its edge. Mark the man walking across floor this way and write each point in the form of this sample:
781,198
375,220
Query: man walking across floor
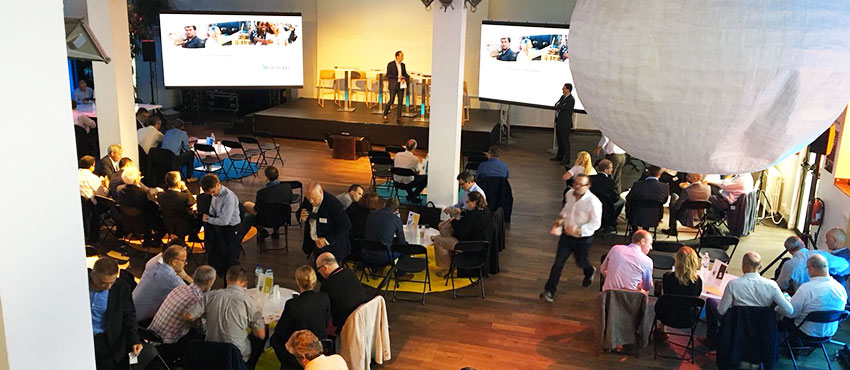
580,218
564,123
397,78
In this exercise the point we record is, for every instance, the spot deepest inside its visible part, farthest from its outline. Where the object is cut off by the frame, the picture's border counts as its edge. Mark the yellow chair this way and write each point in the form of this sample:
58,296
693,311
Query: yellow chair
359,84
327,81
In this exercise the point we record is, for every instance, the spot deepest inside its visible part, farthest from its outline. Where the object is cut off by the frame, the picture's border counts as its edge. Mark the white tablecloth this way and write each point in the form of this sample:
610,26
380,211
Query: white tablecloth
711,288
271,308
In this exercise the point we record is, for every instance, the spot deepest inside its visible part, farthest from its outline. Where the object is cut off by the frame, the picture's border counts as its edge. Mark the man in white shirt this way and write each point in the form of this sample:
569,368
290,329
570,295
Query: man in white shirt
616,155
794,272
407,159
466,181
580,218
91,185
629,266
821,293
749,290
150,136
731,188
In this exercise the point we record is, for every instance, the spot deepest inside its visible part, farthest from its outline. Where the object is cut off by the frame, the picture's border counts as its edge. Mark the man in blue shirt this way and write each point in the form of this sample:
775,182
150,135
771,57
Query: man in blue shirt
466,182
492,167
384,226
221,225
157,281
177,141
113,318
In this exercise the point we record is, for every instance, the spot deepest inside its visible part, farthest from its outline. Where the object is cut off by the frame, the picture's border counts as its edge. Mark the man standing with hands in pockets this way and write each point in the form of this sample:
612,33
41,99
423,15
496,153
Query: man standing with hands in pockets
580,218
397,78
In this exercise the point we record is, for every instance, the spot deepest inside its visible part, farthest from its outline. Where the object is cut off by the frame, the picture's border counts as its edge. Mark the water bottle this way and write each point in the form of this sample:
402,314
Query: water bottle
258,272
705,260
212,138
270,273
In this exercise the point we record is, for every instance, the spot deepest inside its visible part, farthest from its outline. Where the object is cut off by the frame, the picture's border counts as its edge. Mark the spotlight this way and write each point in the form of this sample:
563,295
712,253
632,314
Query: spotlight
427,4
446,4
473,4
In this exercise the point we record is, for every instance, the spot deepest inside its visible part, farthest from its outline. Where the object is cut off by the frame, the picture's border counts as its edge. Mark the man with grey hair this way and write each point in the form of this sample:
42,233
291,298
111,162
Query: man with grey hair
108,165
835,239
308,351
794,272
326,224
168,322
820,293
342,287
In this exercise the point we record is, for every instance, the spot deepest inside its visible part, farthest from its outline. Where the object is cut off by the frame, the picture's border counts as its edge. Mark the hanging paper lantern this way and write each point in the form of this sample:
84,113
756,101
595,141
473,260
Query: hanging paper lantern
712,86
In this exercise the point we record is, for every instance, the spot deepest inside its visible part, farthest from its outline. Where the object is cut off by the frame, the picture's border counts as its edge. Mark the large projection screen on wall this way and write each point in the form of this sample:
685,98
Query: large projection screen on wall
524,64
232,49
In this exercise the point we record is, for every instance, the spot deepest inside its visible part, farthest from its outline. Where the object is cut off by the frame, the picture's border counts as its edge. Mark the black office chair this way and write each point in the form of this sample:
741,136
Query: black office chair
717,246
809,342
678,312
210,163
248,143
274,216
412,258
470,255
380,167
273,145
242,155
401,172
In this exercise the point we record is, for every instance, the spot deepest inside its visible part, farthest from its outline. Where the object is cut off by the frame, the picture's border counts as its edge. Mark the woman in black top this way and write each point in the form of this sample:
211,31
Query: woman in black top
684,279
358,212
472,225
309,310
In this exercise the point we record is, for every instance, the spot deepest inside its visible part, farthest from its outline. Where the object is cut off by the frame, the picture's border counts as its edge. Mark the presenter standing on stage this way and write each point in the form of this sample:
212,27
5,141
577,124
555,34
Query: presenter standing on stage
398,78
564,123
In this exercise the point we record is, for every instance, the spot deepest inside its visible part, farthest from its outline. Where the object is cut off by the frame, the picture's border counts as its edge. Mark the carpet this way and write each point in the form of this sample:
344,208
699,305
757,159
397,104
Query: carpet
196,247
386,191
438,284
232,173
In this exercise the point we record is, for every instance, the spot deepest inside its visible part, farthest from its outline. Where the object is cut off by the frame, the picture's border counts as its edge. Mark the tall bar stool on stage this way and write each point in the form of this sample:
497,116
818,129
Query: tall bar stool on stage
327,81
380,91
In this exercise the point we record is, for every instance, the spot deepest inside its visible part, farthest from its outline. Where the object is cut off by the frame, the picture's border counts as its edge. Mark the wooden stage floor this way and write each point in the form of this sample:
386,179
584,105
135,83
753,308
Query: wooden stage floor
512,328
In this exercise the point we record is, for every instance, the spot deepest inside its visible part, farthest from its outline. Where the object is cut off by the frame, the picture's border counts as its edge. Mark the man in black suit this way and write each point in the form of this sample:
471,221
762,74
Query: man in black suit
647,189
604,188
274,195
109,164
115,180
398,79
326,224
142,116
114,319
564,123
132,195
176,203
342,287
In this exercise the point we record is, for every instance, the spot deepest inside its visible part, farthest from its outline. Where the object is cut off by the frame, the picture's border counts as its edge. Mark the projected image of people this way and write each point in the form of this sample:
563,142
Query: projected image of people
551,48
235,33
264,34
503,51
191,40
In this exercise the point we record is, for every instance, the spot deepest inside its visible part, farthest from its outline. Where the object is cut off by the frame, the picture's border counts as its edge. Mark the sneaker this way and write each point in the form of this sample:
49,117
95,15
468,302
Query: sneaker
548,296
588,279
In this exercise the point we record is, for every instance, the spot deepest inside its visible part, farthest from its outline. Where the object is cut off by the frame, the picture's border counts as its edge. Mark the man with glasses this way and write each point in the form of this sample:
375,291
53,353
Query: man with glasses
342,287
580,218
157,281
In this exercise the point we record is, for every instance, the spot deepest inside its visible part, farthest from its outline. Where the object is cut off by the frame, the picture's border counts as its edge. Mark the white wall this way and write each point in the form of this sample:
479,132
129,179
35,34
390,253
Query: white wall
836,203
43,285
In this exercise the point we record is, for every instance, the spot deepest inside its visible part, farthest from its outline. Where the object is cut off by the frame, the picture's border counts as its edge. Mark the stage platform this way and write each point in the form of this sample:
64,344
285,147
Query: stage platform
305,119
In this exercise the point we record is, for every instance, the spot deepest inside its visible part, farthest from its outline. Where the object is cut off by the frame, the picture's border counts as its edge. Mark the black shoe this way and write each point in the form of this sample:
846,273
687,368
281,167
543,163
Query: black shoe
262,234
556,159
275,235
670,232
588,279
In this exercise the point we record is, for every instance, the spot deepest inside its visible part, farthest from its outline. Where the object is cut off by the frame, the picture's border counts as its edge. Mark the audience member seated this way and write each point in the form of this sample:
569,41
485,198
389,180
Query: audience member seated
466,181
157,282
648,189
582,165
353,195
306,348
731,187
222,225
91,185
358,213
177,141
326,225
604,188
150,136
794,271
115,180
684,280
493,166
342,287
113,319
81,119
309,310
627,267
750,290
176,203
131,194
83,93
407,159
110,163
470,225
694,190
820,293
835,239
142,116
157,259
274,194
168,322
384,226
229,313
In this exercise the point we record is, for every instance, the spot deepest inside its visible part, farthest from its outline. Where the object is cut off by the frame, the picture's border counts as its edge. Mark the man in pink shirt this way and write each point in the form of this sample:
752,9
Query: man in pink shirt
628,266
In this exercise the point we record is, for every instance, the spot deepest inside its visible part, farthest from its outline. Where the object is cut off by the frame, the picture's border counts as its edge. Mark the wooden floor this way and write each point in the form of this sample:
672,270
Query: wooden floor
512,328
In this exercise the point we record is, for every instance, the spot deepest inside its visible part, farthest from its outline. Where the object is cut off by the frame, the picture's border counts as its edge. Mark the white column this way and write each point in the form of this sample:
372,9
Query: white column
46,322
116,115
447,57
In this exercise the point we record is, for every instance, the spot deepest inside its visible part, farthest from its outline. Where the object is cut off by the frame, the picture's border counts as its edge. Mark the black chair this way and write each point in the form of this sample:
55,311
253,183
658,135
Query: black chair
393,149
700,206
644,213
135,225
106,207
717,246
661,261
401,172
210,163
809,342
412,258
379,153
747,334
666,246
203,355
380,167
243,156
472,156
161,161
370,249
678,312
274,216
470,255
296,199
269,147
471,167
247,142
155,340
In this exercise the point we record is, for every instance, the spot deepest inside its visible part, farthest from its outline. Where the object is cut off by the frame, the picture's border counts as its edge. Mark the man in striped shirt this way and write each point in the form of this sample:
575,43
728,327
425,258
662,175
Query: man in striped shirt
168,322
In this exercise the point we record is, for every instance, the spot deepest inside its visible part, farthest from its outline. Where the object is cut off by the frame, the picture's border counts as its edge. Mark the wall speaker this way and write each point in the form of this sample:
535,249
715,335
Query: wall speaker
148,51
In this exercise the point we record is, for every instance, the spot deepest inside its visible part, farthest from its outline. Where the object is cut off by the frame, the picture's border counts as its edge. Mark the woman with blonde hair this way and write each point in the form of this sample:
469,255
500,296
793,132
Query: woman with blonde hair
582,165
309,310
684,279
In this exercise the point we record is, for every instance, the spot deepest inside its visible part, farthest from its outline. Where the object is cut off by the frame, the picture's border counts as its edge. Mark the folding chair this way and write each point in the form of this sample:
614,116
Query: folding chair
810,342
401,172
471,255
259,152
209,163
267,147
408,264
380,167
717,246
295,185
243,156
678,312
701,206
107,220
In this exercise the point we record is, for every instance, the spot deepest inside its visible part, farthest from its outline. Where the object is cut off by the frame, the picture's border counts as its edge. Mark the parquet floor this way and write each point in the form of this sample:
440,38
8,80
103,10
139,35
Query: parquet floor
512,328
